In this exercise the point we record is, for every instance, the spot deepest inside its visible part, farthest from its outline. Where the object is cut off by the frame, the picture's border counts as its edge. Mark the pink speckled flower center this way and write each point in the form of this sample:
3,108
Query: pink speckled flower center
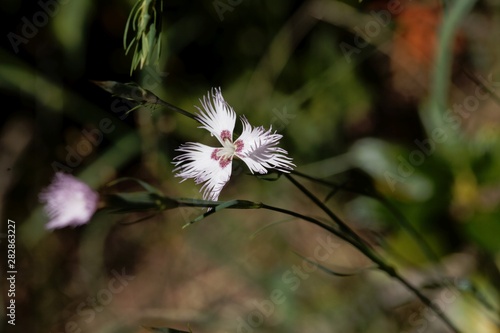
229,148
211,166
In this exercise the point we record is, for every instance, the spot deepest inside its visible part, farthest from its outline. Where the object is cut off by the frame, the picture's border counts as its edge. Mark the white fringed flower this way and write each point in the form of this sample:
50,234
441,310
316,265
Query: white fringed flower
68,201
256,146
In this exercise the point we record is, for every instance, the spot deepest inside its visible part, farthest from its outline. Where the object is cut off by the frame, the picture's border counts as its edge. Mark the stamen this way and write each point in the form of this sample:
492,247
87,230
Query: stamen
238,146
225,135
224,162
215,154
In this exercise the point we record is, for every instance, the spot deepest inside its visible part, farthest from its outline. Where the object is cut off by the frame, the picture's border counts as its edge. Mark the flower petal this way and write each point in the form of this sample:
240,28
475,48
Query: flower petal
217,116
201,163
68,201
259,150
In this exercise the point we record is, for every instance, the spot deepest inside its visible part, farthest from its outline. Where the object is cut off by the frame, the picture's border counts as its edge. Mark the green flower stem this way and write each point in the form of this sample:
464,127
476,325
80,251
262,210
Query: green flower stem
176,109
362,246
344,232
134,92
389,270
312,220
356,240
405,224
381,264
245,204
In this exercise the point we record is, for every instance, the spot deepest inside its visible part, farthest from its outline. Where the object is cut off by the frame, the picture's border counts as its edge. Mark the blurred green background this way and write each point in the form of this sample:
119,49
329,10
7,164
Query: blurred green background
396,96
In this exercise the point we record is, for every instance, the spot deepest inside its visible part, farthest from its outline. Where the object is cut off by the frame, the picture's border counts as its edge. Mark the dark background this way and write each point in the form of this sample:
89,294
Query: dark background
346,119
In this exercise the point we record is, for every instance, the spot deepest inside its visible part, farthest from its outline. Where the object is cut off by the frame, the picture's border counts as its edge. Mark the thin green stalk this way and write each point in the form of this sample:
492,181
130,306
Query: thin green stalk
405,224
176,109
362,246
344,227
134,92
313,221
257,205
424,299
389,270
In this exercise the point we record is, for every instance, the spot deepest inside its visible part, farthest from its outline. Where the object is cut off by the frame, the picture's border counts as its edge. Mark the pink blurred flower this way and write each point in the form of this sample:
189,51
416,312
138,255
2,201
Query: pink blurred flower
256,146
68,201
